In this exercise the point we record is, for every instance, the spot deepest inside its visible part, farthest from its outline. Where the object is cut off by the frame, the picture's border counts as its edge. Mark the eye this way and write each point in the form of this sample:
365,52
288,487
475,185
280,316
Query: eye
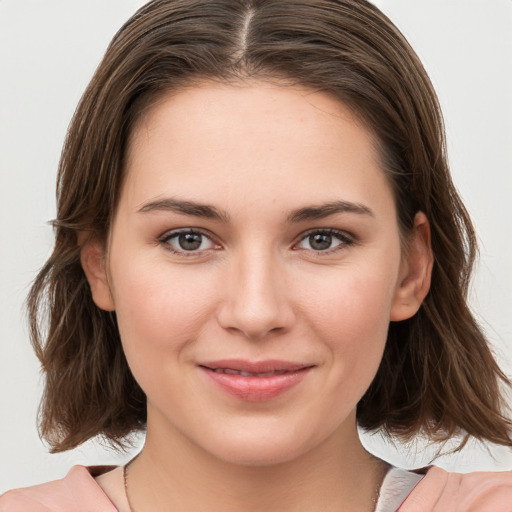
187,241
325,240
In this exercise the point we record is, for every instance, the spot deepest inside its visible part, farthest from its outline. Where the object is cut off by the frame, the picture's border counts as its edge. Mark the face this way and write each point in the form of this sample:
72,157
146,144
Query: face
254,265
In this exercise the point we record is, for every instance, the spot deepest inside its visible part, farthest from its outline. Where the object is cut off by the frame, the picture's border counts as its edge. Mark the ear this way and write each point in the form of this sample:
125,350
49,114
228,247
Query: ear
415,271
92,258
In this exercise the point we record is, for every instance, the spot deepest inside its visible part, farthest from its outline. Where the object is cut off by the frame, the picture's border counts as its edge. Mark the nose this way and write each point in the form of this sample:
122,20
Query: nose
257,301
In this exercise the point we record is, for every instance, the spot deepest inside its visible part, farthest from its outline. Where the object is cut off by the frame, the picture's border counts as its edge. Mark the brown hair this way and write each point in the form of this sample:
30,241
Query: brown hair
437,375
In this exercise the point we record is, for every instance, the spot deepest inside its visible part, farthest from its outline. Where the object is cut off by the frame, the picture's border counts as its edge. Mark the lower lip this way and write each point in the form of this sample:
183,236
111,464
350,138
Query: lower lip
256,389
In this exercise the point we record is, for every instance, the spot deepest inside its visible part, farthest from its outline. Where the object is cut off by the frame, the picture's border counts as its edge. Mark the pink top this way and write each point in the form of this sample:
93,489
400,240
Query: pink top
77,492
439,490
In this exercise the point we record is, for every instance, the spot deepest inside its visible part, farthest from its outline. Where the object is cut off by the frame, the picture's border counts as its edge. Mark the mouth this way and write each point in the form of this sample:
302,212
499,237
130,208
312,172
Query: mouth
255,381
230,371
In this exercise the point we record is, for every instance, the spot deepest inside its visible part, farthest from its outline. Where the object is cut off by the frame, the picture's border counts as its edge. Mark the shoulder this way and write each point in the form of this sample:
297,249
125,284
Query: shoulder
440,490
77,492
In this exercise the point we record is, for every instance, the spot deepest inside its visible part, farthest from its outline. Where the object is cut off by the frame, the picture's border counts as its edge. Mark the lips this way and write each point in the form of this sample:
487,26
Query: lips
229,371
255,381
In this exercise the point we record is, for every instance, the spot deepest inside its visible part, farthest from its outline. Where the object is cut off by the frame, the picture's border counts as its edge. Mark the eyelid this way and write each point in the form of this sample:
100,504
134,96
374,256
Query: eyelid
173,233
346,239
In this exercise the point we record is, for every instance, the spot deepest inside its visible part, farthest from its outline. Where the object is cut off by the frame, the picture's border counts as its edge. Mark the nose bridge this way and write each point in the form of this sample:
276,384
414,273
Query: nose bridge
256,302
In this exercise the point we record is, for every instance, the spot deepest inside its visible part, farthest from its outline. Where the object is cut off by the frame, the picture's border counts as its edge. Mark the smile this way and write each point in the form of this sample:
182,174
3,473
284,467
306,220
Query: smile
255,381
229,371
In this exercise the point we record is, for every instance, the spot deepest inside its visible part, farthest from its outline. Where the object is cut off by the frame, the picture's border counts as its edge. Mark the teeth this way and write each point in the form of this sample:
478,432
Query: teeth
229,371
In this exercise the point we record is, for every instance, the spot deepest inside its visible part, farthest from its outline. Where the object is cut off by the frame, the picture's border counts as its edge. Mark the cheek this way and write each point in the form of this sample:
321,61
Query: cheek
352,316
351,303
159,312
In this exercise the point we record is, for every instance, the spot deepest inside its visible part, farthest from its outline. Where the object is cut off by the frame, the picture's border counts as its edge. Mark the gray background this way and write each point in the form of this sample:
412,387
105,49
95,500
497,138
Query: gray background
48,52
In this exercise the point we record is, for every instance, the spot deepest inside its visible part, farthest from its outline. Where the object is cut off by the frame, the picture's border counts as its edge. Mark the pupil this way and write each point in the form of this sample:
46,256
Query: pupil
190,241
320,242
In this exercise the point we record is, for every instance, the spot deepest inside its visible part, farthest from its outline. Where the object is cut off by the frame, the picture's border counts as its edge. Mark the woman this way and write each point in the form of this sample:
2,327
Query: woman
258,248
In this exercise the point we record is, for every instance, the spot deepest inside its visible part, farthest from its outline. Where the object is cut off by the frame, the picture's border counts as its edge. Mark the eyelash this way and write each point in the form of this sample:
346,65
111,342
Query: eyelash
344,238
170,235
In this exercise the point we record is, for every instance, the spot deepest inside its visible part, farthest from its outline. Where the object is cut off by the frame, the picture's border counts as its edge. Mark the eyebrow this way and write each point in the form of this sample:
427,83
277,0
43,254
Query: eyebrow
185,208
311,212
315,212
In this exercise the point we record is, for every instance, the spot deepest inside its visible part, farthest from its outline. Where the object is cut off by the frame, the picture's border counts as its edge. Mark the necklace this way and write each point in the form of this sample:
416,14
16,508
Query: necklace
128,464
125,480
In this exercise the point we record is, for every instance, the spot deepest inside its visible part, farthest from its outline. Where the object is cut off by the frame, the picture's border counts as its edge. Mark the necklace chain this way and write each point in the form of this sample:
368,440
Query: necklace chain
125,480
130,506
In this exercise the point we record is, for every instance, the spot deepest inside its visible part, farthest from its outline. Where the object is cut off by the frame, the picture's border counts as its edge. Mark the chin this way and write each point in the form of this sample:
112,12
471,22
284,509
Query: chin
257,450
260,456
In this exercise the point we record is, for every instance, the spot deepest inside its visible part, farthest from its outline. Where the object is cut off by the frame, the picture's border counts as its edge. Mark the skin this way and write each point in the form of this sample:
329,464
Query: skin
255,289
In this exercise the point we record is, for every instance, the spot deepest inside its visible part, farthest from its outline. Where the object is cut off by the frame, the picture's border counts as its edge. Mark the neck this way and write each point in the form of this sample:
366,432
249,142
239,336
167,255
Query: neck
174,474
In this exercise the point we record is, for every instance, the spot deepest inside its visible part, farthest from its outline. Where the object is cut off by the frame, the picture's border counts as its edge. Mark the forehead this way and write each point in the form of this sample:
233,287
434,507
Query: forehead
248,139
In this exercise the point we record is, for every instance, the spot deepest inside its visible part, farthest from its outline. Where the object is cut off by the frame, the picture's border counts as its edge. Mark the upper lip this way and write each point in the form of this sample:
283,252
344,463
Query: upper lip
269,365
